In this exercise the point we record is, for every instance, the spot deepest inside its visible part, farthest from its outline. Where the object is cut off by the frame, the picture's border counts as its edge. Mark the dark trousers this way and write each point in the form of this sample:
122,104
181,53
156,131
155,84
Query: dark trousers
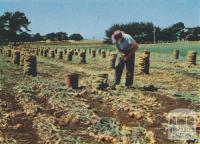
129,71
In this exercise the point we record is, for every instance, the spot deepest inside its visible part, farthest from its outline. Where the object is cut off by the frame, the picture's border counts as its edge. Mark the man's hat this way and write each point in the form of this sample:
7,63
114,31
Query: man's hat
116,35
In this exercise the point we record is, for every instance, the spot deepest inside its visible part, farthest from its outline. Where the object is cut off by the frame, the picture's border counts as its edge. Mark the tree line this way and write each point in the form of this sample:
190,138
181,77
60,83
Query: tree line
149,33
14,28
59,36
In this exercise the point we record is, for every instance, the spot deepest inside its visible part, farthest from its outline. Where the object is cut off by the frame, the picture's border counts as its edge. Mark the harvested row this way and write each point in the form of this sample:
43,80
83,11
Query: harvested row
192,57
103,54
100,81
70,55
130,113
144,62
44,51
93,53
60,55
113,57
144,59
176,54
7,52
72,80
16,57
28,61
82,57
30,65
52,54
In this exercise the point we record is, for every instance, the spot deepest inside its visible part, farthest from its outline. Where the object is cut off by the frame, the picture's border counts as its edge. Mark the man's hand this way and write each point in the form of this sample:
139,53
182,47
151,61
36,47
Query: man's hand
122,57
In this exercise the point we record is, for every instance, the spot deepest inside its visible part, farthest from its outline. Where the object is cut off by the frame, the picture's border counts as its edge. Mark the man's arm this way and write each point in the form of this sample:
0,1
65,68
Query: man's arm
134,47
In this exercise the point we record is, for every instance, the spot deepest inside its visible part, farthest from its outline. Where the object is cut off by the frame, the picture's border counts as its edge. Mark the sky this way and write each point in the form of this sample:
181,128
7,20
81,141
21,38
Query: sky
92,17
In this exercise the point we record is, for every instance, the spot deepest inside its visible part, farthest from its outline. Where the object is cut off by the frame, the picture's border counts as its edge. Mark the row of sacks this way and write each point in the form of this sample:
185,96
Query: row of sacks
53,53
17,60
24,59
29,63
45,50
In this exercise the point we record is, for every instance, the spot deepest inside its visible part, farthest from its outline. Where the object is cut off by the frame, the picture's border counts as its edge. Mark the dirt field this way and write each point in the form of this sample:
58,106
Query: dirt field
42,109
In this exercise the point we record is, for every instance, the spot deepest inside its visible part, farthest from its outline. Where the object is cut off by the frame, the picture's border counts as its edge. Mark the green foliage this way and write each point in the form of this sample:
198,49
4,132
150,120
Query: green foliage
72,140
76,37
13,25
192,97
56,36
2,29
24,37
107,125
143,32
138,136
167,48
193,34
26,91
173,33
9,141
37,37
61,36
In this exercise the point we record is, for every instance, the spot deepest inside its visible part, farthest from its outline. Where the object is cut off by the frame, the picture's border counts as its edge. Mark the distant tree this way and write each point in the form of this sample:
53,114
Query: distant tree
37,37
190,37
24,37
13,25
76,37
193,34
61,36
196,33
56,36
140,31
2,30
143,32
50,36
174,32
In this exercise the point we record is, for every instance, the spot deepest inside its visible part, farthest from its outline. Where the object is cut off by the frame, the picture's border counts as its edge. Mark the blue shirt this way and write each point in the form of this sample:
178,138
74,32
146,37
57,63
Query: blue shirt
126,42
